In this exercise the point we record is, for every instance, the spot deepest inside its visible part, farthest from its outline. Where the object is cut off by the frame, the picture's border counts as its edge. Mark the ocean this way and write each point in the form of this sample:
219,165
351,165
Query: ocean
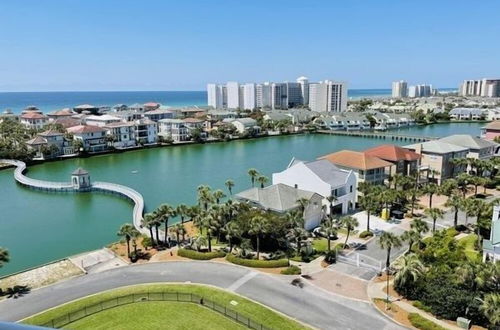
50,101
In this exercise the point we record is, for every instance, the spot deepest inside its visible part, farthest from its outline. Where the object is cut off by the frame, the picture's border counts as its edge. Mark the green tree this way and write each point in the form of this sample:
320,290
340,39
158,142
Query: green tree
388,241
329,229
165,212
411,236
4,256
434,213
490,306
258,227
229,185
218,195
179,230
455,202
148,221
349,223
409,270
233,233
262,180
128,232
369,203
430,189
253,173
421,227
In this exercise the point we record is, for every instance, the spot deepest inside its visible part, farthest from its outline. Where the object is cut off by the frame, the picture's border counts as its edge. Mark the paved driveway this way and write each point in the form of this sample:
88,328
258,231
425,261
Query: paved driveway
309,304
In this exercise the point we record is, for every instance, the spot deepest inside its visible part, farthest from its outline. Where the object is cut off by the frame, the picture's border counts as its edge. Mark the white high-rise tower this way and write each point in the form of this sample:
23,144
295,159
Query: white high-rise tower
304,86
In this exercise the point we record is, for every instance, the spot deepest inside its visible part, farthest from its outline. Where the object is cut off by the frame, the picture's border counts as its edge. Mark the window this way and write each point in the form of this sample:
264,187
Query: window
350,188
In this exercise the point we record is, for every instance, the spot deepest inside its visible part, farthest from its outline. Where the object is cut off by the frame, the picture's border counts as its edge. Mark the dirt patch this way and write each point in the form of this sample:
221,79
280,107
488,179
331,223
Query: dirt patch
120,249
395,312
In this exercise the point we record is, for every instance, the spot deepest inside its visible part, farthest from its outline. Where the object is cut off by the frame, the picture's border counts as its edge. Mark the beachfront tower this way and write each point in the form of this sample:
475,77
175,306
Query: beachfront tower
80,179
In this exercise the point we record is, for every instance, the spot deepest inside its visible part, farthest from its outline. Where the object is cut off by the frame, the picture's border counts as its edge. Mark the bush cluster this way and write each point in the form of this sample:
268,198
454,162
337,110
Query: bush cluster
191,254
257,263
365,234
422,323
292,270
421,306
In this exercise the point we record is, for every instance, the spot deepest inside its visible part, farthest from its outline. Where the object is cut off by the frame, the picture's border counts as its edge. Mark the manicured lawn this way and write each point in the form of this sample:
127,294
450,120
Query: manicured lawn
156,315
244,306
469,244
321,245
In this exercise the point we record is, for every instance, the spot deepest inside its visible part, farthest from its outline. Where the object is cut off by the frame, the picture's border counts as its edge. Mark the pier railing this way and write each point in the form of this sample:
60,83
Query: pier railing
88,310
380,135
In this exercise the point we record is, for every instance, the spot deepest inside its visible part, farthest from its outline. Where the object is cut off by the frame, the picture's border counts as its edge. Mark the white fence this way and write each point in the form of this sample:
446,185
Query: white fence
360,260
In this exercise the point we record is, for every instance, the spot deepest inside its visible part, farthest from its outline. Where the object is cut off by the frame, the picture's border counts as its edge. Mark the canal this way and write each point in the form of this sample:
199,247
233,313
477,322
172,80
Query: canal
39,227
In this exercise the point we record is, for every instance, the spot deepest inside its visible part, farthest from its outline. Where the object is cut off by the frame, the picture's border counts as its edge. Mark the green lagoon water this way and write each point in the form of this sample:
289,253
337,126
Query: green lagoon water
39,227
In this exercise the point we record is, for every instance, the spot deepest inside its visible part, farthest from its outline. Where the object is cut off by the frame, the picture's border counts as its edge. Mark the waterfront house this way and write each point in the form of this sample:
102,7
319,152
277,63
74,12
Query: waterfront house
121,134
365,167
355,121
194,123
49,144
159,114
277,115
438,157
405,162
329,123
136,107
466,114
93,138
86,108
67,122
323,178
491,131
119,107
245,125
216,115
187,112
145,131
128,115
38,144
59,114
151,106
492,114
101,121
174,129
33,120
491,247
281,198
478,148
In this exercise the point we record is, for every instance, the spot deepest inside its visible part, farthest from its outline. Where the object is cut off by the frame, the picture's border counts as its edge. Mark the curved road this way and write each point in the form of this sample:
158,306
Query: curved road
309,304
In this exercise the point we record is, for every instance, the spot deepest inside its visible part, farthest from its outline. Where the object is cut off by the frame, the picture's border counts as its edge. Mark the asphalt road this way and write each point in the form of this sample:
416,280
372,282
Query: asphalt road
308,304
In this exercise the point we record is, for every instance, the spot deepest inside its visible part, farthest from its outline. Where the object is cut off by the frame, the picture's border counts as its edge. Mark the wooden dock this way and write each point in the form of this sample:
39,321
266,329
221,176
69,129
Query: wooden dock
381,135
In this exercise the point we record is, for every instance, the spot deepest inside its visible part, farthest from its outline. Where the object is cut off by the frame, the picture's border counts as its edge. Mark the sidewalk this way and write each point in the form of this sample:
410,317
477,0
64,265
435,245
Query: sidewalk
376,290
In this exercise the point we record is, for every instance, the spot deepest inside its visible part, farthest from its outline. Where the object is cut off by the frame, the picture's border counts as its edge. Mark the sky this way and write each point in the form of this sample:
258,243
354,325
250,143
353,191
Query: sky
96,45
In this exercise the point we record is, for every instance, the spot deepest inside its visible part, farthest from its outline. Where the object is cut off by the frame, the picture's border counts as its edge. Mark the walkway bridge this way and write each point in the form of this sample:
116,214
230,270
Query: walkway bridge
381,135
104,187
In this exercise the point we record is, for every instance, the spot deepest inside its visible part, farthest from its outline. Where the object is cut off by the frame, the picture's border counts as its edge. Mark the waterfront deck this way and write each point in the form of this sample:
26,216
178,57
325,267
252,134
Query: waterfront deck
104,187
381,135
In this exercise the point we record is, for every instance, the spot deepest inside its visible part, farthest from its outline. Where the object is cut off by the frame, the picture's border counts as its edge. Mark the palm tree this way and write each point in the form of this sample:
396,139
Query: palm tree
476,207
157,221
369,203
331,199
262,180
430,189
411,236
421,227
455,202
414,194
148,221
204,197
128,231
218,195
303,202
198,242
490,306
409,271
349,223
388,241
165,212
179,229
463,180
253,173
258,227
4,256
328,229
229,185
233,231
297,234
434,213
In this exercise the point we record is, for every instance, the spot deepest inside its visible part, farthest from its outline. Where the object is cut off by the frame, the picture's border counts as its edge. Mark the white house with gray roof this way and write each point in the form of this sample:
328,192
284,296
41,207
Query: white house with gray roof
478,148
323,178
282,198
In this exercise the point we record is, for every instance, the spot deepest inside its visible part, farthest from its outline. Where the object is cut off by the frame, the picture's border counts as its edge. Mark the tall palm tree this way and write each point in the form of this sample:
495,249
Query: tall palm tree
476,208
262,180
388,241
455,202
148,221
297,234
233,232
430,189
411,236
331,199
413,195
165,212
349,223
490,306
463,181
179,229
303,202
409,270
229,185
369,203
258,227
182,210
157,221
253,173
4,256
329,229
218,195
421,227
204,197
434,213
127,231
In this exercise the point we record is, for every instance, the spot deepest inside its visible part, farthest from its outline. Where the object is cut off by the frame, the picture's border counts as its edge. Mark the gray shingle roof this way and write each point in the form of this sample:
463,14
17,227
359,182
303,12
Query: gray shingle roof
328,172
468,141
437,147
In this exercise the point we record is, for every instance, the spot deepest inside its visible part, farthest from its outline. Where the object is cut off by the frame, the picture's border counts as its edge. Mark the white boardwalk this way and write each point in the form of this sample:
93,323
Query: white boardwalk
105,187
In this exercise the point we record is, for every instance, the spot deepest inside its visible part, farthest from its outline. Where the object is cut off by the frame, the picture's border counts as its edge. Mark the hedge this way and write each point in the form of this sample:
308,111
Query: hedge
422,323
191,254
257,263
421,306
292,270
365,234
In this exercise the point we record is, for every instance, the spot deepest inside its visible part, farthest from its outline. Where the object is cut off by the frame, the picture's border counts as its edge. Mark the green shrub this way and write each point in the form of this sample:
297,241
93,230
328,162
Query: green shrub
257,263
365,234
146,241
339,246
452,232
422,323
331,257
191,254
421,306
292,270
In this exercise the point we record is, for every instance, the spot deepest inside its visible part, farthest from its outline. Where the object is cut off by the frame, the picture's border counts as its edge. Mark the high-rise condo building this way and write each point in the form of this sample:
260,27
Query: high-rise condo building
484,87
217,97
420,91
294,94
249,102
328,96
399,89
304,88
233,95
263,95
279,99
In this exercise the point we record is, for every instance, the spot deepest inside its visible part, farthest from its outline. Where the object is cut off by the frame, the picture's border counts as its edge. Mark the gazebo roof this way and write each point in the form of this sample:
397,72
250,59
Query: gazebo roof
80,171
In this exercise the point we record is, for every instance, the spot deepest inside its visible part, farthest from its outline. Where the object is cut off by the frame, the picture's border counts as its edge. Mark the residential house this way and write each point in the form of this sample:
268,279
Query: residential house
438,156
194,123
33,120
150,106
122,134
174,129
492,114
101,121
466,114
93,138
366,168
145,131
60,114
491,247
216,115
245,125
478,148
491,131
323,178
159,114
86,108
281,198
405,162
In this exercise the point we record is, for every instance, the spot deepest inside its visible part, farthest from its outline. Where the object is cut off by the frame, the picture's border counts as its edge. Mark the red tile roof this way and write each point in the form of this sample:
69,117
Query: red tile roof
392,153
85,129
32,115
356,159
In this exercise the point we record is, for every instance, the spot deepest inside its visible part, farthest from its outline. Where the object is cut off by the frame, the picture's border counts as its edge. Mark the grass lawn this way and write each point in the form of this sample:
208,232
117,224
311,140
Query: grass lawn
245,307
469,243
156,315
321,245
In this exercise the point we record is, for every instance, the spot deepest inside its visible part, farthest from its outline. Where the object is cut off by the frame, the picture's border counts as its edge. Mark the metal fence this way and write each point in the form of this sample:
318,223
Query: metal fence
360,260
66,319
